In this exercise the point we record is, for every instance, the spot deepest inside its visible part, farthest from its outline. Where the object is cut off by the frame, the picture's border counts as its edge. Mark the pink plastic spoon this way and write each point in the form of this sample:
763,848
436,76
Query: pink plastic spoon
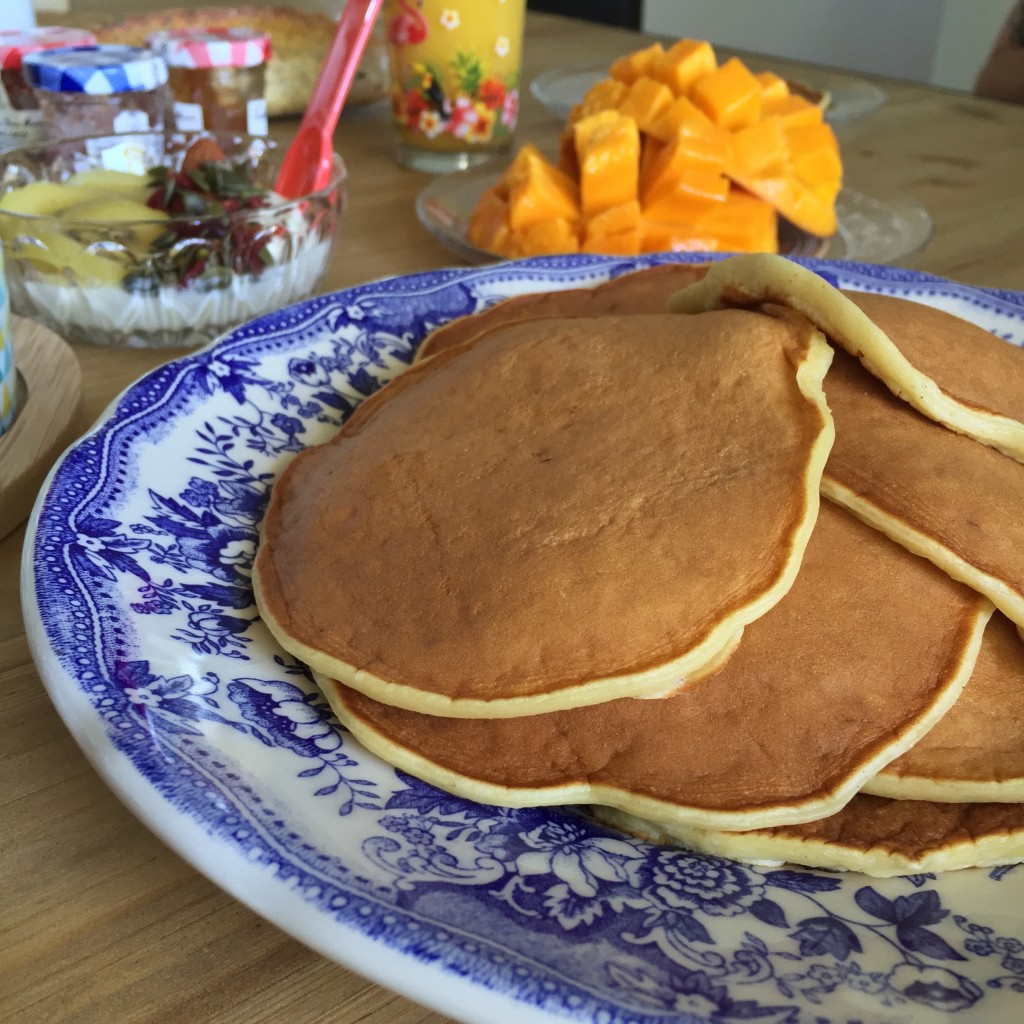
307,162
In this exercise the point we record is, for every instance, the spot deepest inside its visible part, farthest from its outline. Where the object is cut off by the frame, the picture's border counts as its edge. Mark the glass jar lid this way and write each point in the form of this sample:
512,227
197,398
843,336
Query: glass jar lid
15,43
96,70
212,47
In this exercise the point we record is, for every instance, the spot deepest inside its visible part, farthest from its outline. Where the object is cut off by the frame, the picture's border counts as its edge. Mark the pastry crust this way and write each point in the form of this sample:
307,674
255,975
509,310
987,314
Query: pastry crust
299,40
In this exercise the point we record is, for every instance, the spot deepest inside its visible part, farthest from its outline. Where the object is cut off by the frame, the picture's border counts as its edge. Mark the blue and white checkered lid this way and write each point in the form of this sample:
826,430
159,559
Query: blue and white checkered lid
96,70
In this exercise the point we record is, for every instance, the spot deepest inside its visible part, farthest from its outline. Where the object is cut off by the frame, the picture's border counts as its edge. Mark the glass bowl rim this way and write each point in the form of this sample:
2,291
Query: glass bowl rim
339,177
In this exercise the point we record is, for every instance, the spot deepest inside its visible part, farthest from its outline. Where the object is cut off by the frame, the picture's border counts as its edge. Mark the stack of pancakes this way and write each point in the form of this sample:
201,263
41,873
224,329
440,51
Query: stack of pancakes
576,554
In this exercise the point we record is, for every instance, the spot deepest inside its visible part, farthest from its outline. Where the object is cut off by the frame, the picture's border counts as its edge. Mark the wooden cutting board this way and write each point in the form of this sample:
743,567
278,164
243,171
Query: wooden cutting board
48,395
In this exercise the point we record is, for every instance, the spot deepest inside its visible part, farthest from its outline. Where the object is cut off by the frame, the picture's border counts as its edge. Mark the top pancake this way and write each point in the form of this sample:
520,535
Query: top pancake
940,494
952,371
556,517
639,292
853,665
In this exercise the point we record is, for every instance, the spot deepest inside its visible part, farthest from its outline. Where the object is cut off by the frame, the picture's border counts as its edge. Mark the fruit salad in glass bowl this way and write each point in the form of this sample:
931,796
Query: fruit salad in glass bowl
159,239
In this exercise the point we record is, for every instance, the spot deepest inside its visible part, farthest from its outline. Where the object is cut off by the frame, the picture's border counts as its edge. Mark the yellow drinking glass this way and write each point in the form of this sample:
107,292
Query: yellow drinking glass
454,79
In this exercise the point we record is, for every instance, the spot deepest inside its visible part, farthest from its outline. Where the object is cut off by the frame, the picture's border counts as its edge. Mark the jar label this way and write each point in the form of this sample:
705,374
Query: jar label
20,128
188,117
131,121
256,116
130,156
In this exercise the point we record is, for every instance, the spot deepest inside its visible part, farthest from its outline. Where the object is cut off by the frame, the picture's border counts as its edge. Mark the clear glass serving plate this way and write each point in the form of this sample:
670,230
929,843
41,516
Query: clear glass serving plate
845,98
869,230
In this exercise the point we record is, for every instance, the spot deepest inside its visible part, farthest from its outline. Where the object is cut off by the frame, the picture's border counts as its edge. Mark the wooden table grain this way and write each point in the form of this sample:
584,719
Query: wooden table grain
100,921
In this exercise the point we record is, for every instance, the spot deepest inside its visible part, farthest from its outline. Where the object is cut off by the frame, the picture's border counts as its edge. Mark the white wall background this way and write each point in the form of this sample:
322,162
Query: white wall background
942,42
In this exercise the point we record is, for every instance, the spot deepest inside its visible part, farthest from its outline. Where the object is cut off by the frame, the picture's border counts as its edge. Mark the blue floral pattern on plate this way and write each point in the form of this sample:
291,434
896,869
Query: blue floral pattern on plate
140,615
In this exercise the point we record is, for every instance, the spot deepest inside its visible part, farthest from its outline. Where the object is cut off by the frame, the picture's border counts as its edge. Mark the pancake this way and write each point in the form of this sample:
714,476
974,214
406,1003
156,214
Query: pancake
870,834
545,519
976,751
950,370
940,494
865,653
639,292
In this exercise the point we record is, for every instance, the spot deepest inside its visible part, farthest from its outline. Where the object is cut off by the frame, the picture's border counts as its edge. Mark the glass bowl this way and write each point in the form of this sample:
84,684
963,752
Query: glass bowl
120,275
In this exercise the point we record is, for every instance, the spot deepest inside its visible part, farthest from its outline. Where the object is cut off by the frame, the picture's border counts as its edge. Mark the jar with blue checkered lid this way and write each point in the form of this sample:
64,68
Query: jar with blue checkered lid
98,90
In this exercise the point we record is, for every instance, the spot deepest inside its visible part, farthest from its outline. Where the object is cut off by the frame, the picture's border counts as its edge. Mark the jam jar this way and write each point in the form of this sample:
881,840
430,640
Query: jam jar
21,121
98,90
216,78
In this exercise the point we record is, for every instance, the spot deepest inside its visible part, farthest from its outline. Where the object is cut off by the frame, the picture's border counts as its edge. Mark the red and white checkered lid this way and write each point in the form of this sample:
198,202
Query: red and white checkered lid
15,43
212,47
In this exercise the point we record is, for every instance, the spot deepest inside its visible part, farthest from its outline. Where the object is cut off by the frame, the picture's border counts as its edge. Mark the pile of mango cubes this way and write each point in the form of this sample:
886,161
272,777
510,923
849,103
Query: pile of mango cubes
672,152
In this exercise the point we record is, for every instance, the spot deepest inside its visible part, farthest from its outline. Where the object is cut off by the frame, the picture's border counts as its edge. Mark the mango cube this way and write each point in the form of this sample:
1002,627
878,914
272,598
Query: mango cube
645,100
634,65
615,220
772,86
793,110
650,149
488,227
608,150
607,94
548,238
742,223
538,191
671,119
814,153
730,96
794,201
691,166
760,147
683,63
624,243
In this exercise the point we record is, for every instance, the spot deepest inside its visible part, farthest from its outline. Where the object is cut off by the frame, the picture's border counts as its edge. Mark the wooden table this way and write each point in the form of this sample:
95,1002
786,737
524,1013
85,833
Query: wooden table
100,921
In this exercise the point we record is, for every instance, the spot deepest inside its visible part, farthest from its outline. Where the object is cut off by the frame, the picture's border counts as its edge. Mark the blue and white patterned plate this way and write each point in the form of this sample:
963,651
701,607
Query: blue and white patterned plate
140,616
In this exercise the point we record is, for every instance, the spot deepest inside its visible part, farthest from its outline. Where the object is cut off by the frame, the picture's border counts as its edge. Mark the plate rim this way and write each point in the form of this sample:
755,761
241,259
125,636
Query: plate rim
858,83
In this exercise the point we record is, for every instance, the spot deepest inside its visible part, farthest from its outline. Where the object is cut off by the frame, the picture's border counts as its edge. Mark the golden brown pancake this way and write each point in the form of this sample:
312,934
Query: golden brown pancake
546,518
857,662
947,368
640,292
938,493
976,751
870,834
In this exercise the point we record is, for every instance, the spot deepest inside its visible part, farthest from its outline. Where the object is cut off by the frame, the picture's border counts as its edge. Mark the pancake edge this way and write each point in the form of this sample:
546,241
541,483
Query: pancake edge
945,791
423,350
751,279
1006,598
651,808
773,851
701,660
653,682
